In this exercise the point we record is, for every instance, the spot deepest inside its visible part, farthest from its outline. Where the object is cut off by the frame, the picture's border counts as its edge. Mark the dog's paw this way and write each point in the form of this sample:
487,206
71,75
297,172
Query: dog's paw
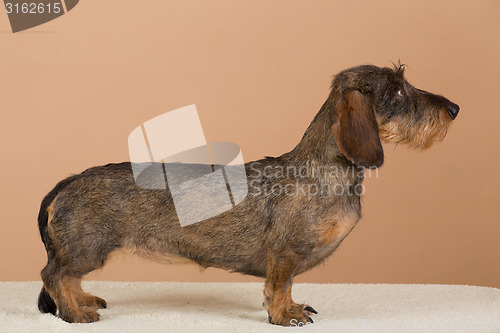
310,309
100,303
84,315
91,301
295,315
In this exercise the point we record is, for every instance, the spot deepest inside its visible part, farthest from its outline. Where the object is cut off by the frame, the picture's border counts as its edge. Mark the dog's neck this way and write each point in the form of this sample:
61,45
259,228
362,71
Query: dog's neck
319,154
318,147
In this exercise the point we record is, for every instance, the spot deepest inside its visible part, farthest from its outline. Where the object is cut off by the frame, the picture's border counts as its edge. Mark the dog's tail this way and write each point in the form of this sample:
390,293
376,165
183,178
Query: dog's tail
45,303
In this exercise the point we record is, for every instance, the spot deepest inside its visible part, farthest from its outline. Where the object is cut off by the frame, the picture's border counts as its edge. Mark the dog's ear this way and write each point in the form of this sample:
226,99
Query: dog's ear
356,130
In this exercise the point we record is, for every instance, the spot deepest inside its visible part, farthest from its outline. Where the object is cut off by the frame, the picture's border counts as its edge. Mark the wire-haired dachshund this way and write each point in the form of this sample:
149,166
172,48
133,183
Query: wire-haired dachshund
299,207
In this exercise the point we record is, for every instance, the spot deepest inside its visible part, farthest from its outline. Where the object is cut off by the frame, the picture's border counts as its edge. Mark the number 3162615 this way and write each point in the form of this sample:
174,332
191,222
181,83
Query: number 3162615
33,8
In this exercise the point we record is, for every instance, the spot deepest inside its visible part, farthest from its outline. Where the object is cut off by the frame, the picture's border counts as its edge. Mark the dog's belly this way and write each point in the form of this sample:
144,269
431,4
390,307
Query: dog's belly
233,241
249,261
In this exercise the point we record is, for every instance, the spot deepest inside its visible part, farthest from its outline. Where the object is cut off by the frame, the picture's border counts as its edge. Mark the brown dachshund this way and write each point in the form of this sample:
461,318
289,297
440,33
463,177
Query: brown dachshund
299,207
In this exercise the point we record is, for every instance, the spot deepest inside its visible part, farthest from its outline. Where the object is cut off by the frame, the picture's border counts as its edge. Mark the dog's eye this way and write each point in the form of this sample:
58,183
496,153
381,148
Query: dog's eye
400,93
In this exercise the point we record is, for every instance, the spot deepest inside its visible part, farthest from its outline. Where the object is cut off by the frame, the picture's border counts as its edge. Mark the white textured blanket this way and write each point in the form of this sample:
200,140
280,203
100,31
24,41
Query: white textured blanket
236,307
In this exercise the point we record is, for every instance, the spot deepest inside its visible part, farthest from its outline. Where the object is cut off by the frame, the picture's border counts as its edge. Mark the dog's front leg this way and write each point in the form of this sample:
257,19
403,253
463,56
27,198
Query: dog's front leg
281,308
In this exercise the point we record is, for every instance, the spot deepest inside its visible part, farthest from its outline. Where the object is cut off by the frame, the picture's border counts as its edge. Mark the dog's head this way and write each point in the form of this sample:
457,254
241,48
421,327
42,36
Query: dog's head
373,104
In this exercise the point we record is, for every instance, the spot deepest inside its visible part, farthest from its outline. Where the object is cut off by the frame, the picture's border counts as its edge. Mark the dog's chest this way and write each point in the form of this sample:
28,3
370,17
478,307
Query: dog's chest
332,230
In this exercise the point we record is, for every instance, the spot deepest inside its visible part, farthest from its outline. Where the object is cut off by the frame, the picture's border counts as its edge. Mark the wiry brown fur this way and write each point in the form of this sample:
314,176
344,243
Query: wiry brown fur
271,234
417,137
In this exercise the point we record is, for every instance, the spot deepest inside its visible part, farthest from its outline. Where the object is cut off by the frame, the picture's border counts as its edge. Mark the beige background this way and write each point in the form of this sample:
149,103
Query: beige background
73,89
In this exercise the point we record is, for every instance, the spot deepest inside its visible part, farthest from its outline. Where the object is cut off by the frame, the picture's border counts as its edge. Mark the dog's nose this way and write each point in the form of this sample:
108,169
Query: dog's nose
453,110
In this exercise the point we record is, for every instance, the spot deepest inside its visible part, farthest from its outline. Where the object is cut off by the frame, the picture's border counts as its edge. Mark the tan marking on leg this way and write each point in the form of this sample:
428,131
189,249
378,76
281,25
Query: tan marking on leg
279,304
84,299
69,291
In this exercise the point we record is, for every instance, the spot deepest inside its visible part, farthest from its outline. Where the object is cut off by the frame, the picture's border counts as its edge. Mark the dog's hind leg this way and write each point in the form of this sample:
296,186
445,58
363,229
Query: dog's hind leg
63,286
69,292
73,254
